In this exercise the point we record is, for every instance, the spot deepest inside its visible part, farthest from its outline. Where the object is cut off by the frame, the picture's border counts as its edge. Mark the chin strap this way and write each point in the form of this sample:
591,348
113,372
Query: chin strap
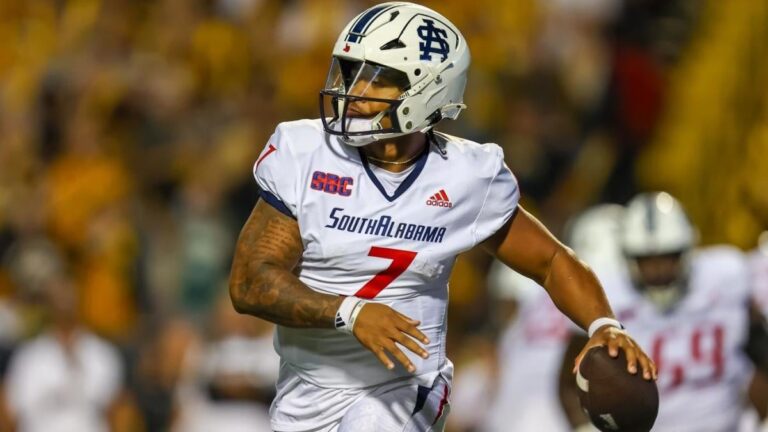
347,314
601,322
452,111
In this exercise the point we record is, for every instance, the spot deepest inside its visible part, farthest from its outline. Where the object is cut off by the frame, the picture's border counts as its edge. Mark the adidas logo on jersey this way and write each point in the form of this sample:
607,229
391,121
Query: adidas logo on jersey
440,199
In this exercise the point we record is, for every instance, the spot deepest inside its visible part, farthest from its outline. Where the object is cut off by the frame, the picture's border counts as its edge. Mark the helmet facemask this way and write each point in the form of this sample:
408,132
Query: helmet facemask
364,98
662,279
658,240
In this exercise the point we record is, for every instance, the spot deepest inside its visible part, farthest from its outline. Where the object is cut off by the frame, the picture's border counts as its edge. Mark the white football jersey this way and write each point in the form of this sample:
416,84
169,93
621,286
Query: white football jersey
697,346
395,249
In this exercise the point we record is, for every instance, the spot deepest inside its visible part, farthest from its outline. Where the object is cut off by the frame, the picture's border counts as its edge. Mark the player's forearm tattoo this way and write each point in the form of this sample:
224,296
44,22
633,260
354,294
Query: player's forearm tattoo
262,283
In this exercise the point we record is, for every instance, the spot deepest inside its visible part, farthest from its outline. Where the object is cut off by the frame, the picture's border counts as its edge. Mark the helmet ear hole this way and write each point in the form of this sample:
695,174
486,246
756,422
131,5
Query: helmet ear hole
393,44
417,72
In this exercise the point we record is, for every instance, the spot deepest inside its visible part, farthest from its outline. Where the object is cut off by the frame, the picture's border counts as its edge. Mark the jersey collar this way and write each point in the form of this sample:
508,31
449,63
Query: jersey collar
409,180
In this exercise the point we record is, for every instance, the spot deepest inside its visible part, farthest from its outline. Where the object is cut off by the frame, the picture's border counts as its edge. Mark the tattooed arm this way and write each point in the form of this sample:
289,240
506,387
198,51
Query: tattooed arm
262,283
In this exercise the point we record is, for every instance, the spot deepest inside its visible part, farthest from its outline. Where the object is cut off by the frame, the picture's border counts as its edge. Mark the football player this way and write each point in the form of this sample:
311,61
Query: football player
690,308
362,215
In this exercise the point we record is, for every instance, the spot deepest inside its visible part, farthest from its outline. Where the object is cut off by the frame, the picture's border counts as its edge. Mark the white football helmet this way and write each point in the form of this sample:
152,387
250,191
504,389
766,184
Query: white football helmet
408,45
594,236
655,226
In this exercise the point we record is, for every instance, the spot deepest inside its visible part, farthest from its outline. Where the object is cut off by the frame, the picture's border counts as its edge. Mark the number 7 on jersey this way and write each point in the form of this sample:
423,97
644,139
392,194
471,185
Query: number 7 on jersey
401,259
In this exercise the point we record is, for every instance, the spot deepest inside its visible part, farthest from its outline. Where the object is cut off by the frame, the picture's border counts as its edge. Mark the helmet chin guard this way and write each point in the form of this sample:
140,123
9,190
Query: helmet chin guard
406,61
348,93
655,226
357,132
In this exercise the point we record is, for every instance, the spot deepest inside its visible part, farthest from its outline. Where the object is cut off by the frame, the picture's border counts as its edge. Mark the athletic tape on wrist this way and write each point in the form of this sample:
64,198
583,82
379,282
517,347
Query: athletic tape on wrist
347,313
604,321
355,311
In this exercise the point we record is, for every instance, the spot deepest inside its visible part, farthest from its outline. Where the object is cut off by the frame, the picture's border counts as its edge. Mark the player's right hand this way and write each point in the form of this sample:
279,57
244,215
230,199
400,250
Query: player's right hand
380,328
616,339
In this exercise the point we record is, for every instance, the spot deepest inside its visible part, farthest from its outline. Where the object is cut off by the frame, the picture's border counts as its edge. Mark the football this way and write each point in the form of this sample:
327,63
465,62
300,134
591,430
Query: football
614,399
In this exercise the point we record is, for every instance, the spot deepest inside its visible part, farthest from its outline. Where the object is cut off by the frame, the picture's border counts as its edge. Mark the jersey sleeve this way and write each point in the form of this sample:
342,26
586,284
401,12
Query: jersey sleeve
276,171
500,200
726,266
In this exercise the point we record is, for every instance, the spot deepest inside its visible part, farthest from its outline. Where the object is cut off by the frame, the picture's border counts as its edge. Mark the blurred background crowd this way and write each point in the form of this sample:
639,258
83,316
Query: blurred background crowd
128,129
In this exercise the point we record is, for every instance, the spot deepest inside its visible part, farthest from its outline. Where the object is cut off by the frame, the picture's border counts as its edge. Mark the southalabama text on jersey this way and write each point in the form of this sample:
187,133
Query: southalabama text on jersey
384,226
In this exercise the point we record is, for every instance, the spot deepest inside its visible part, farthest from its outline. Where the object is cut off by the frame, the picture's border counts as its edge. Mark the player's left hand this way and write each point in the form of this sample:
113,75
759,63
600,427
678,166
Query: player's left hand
615,339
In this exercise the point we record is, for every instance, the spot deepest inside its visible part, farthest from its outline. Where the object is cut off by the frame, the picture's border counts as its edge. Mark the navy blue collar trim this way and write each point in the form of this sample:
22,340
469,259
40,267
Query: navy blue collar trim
408,180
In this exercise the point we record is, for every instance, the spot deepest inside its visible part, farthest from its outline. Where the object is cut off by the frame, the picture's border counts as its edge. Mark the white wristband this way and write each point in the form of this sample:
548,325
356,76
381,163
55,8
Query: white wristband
356,311
604,321
347,313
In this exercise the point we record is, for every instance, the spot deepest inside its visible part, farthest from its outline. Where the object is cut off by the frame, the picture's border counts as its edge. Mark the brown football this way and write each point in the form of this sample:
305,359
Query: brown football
614,399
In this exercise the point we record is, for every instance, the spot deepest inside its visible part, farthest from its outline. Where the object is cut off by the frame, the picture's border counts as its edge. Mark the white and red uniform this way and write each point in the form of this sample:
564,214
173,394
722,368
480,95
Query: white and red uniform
363,238
698,345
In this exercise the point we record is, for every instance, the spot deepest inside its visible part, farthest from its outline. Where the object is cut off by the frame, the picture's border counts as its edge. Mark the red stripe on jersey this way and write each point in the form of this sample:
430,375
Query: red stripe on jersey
445,196
440,408
269,151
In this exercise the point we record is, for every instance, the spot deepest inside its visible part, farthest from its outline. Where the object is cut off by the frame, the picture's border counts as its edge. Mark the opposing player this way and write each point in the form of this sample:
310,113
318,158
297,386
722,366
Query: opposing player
363,212
691,309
